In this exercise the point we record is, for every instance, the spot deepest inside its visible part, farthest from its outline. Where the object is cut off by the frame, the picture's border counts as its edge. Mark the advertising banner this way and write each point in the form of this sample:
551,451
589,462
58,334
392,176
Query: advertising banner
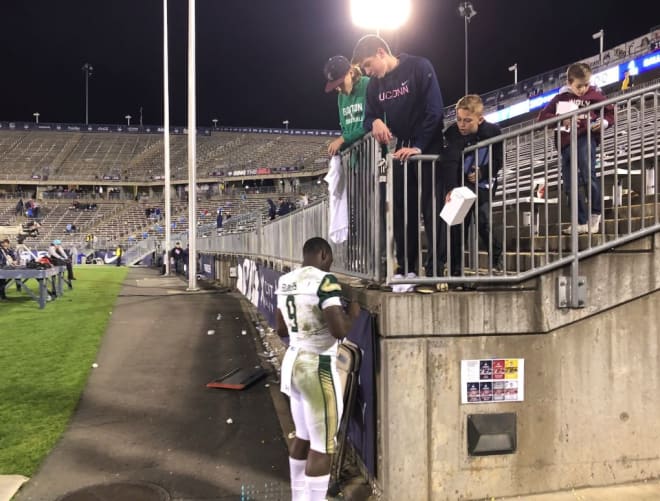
259,283
362,424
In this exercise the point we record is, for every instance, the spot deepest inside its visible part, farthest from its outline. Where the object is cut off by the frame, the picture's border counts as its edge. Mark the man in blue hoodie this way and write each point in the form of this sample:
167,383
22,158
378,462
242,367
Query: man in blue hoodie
404,101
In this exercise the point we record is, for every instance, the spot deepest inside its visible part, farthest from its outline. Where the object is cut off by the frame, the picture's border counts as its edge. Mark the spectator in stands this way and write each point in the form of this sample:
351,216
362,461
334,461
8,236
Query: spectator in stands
284,207
310,313
627,82
68,228
476,171
73,252
8,254
31,228
272,209
218,220
176,258
351,87
59,257
119,252
404,101
580,93
8,259
19,207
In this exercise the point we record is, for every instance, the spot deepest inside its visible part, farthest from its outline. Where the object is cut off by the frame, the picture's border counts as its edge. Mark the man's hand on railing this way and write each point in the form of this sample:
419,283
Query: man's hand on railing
381,132
333,147
404,154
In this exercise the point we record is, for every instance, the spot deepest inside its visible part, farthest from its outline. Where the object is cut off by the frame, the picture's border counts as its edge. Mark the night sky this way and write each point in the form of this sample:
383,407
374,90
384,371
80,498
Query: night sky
259,61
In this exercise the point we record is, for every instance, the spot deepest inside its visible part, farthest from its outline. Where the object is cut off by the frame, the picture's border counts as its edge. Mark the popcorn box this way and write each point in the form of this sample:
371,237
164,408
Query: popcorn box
461,200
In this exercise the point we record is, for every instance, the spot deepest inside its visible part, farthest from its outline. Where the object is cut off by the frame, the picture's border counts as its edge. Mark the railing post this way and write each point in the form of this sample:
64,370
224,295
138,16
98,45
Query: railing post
379,220
575,263
389,219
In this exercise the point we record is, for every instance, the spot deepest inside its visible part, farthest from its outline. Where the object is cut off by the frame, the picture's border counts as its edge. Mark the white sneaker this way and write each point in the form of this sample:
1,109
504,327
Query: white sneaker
410,287
404,287
397,287
581,229
594,223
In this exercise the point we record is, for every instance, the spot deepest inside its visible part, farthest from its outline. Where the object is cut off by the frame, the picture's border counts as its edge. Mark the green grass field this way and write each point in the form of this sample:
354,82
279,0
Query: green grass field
45,358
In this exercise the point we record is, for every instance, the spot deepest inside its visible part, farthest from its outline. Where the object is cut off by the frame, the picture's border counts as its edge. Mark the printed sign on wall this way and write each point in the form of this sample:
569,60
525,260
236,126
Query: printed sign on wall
492,380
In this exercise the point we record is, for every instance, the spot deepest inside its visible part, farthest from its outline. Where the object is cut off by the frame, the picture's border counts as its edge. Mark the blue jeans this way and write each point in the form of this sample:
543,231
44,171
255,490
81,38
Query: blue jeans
586,164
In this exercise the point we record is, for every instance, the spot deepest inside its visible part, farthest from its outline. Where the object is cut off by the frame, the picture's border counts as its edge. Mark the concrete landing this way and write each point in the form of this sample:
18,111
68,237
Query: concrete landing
642,491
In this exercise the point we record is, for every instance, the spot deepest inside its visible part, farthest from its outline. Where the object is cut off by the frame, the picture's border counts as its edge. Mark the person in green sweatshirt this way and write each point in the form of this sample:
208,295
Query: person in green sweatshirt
351,86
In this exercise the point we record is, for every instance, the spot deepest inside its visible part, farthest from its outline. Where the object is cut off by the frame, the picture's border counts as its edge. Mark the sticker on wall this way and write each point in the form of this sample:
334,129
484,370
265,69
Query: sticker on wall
492,380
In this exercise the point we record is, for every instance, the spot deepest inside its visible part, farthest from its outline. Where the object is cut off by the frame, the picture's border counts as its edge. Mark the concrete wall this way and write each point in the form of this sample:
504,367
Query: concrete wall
592,385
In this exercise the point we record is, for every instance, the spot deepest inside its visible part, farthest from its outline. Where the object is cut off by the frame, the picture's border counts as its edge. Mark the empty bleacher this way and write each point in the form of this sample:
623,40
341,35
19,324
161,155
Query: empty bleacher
75,156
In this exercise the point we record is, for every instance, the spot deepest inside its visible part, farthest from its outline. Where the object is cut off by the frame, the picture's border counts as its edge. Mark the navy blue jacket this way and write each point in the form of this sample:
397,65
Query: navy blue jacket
409,101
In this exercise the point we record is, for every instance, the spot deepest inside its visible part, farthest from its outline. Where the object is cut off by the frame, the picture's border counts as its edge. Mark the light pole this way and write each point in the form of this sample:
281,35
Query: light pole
36,116
128,120
286,124
140,116
192,149
215,123
87,68
467,12
514,68
600,35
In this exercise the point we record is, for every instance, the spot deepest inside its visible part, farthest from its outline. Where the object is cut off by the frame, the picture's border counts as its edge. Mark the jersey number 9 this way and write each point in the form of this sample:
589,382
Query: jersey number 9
291,312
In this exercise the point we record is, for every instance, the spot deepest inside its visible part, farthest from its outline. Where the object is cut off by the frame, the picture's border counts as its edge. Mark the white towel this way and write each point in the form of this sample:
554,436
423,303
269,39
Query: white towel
338,215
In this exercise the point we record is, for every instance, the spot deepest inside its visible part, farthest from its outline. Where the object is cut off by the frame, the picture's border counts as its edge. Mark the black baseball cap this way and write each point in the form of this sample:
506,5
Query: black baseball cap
335,71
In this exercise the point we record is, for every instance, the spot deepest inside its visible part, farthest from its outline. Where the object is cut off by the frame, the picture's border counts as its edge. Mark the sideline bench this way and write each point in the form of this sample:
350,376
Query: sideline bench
21,275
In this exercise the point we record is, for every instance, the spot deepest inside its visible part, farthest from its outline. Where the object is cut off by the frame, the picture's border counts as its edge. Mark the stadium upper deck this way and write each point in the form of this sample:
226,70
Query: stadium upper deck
38,155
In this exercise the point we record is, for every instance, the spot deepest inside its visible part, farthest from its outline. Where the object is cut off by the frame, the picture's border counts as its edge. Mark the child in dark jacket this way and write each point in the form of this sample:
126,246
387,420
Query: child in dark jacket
478,171
579,93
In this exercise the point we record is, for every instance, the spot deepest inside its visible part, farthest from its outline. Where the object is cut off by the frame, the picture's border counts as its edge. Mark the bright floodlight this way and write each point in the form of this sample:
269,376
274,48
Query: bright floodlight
380,14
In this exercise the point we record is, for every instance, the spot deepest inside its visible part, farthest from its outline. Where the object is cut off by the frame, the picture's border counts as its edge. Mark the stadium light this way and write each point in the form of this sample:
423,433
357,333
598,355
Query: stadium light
286,124
128,120
514,68
380,14
466,11
87,69
600,35
36,116
215,123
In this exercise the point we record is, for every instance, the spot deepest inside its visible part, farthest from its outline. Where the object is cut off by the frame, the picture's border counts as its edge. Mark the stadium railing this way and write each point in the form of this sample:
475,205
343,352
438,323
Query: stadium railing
531,225
530,222
280,240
